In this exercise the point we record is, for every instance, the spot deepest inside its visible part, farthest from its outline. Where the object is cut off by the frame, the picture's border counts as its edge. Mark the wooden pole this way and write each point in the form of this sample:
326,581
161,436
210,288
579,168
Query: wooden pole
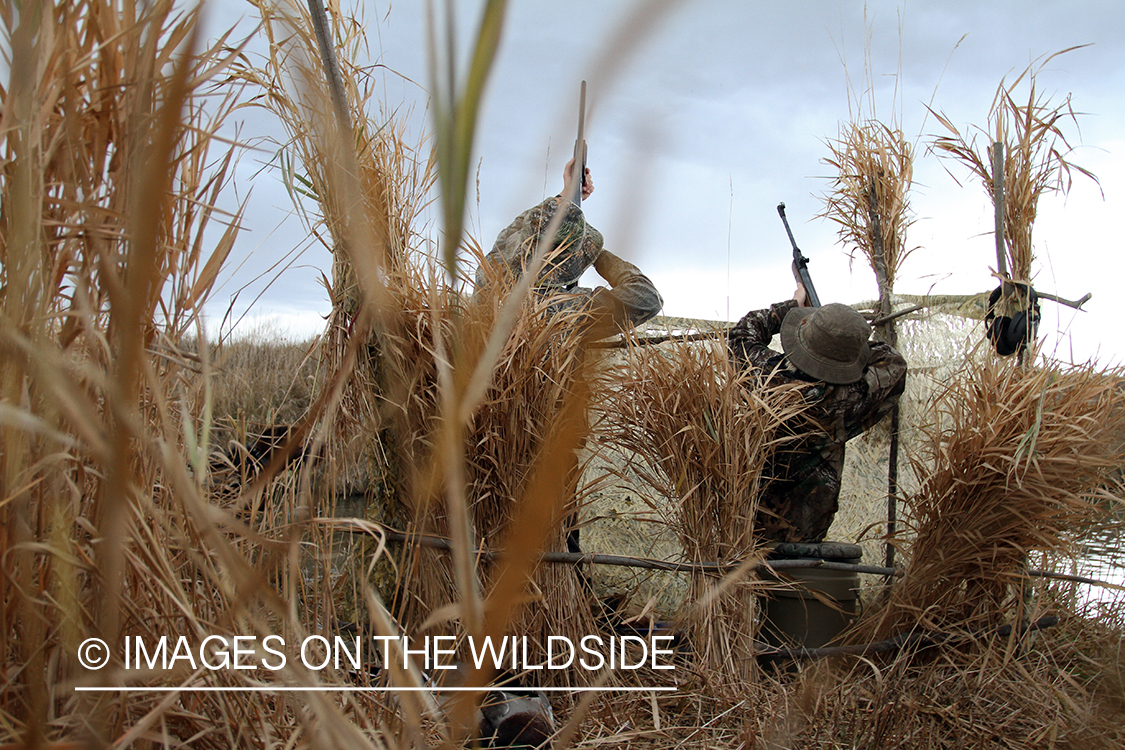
365,527
998,204
886,331
1002,267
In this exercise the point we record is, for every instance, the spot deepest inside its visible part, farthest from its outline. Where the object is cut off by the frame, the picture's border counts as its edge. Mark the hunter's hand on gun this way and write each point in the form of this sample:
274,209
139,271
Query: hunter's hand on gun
801,295
587,184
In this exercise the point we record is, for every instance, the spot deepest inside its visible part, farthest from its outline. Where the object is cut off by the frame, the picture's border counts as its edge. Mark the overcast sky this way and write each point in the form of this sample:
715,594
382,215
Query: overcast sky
722,110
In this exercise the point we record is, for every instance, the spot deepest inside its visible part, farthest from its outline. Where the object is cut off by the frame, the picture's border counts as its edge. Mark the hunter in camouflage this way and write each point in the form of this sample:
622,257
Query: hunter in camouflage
574,248
849,383
631,299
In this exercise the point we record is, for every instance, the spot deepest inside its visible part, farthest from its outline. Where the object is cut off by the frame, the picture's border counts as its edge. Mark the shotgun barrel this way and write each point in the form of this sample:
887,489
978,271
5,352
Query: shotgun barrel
800,262
575,190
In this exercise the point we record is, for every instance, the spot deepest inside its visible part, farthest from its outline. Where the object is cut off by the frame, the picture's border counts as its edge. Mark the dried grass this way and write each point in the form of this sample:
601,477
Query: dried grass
107,417
1061,696
703,432
264,381
1015,460
870,196
107,530
512,433
977,700
1036,158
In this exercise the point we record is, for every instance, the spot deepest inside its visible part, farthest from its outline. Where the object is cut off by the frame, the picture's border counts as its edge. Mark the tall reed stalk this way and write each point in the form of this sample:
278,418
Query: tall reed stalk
110,185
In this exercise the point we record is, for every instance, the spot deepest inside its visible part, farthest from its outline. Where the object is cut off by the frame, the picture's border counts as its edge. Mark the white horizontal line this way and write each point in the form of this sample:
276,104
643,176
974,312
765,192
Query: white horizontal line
329,689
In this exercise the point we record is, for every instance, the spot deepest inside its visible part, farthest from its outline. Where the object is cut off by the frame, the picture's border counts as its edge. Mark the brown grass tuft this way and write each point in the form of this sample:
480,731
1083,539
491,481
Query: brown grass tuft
702,432
1016,460
870,197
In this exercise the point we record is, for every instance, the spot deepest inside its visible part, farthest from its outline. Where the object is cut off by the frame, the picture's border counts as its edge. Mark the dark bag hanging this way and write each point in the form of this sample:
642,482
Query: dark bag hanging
1010,333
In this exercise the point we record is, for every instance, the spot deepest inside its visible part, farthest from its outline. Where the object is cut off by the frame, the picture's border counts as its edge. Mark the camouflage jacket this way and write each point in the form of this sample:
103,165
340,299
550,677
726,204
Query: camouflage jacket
803,476
633,298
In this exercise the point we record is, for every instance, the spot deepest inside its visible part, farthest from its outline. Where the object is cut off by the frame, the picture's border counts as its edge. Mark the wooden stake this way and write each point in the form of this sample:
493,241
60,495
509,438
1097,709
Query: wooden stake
888,334
998,201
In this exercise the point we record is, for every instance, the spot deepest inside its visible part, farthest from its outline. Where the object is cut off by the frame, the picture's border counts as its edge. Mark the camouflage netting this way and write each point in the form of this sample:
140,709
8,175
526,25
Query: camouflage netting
621,518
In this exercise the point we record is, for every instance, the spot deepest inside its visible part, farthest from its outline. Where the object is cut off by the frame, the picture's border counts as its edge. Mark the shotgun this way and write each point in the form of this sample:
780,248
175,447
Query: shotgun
575,191
800,262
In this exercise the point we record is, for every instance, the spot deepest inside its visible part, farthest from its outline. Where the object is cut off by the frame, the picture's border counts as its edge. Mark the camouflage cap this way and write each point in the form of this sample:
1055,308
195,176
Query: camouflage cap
573,249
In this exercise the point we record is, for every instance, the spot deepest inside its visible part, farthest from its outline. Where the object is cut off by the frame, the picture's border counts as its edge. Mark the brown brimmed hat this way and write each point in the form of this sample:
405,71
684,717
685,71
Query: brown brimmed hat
829,343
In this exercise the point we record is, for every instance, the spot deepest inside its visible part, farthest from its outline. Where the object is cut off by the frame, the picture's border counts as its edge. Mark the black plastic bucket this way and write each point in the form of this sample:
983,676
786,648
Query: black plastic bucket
809,607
